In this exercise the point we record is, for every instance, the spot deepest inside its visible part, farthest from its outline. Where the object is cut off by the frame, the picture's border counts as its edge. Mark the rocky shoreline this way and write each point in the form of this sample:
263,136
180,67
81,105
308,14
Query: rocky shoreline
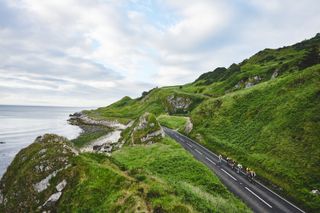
79,118
105,144
144,130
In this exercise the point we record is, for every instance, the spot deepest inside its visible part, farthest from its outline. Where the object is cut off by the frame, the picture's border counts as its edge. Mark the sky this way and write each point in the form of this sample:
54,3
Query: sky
93,52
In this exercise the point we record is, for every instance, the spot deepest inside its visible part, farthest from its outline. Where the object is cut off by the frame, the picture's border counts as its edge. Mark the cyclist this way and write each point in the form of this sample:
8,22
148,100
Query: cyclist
239,168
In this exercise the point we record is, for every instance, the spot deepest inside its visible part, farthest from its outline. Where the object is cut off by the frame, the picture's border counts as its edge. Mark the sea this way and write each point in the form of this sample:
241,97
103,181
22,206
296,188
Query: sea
20,125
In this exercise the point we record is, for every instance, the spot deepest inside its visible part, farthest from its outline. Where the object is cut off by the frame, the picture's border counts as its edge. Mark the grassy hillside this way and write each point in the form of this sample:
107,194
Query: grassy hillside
156,101
173,122
273,127
141,178
263,112
183,183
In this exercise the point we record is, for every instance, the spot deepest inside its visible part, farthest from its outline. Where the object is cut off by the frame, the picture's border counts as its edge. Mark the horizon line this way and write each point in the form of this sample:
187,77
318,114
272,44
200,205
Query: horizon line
34,105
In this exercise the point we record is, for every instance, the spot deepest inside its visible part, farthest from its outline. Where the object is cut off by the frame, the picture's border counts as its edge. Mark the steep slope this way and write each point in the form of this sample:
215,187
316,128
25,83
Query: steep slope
156,101
263,112
50,175
273,128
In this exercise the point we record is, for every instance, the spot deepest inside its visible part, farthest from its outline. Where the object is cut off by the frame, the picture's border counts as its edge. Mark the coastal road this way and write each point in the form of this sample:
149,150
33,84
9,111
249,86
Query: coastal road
257,196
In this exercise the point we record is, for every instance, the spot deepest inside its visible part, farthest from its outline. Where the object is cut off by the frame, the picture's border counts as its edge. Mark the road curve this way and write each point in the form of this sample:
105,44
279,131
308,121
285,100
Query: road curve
257,196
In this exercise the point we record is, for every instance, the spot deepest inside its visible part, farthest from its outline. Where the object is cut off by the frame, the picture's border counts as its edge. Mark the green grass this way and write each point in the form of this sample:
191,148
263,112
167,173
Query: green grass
155,102
173,122
155,178
190,181
273,128
96,187
138,133
17,183
86,137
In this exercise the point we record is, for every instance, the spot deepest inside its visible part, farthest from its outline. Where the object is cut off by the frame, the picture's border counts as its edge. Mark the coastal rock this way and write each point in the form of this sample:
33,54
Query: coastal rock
50,138
84,119
104,144
42,151
2,142
43,184
146,130
52,199
102,148
39,168
61,185
42,164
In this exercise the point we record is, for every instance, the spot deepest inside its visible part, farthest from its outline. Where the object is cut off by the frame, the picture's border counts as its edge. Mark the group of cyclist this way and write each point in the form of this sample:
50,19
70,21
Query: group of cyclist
250,173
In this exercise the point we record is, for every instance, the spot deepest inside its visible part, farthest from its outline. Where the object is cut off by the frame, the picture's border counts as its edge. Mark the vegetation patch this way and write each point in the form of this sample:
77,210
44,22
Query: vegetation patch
137,179
272,128
185,177
173,122
89,134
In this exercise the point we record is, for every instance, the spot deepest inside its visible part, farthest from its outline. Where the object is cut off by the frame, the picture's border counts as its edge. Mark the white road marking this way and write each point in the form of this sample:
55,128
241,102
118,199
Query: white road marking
280,197
189,145
198,151
258,197
229,174
174,132
211,161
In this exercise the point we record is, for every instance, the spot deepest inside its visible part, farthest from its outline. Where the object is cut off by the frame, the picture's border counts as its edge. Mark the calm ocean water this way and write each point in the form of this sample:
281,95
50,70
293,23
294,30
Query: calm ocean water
20,125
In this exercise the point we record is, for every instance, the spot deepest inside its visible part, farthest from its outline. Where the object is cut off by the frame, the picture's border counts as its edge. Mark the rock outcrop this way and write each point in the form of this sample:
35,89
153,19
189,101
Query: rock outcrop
80,118
252,81
146,130
248,82
38,175
61,185
189,126
275,74
52,199
178,104
105,144
44,183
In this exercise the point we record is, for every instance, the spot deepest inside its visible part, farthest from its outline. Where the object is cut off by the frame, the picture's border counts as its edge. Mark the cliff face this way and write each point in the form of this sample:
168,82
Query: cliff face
147,130
37,177
144,130
178,104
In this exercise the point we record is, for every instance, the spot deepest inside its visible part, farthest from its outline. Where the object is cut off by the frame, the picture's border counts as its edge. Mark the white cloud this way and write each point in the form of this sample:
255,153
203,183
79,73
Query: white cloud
92,52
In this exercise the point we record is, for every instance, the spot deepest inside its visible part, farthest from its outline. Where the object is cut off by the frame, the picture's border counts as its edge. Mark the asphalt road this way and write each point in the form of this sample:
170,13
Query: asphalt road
257,196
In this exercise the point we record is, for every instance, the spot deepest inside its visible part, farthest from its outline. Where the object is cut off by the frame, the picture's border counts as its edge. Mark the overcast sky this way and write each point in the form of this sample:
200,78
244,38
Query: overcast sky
93,52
